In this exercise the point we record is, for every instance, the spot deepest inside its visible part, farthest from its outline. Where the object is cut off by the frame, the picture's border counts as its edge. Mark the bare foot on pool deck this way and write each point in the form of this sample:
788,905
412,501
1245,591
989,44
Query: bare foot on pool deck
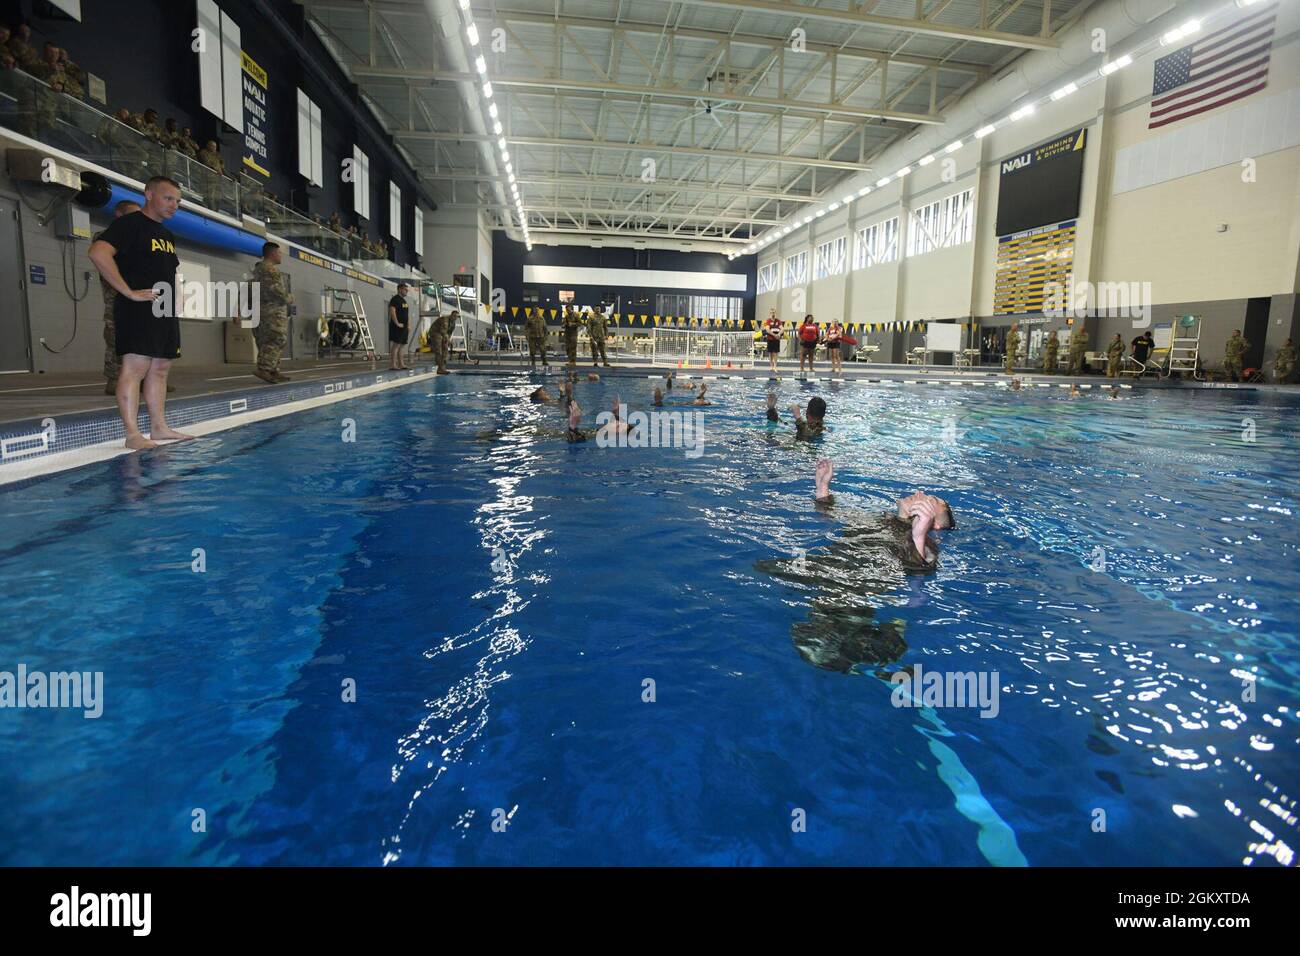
139,443
170,434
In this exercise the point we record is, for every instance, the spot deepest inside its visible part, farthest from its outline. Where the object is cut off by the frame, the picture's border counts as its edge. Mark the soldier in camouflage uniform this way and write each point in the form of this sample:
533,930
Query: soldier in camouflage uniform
1013,349
597,329
208,156
123,208
535,329
20,46
1114,355
272,330
1232,355
1050,348
148,124
440,338
570,324
1284,362
1078,345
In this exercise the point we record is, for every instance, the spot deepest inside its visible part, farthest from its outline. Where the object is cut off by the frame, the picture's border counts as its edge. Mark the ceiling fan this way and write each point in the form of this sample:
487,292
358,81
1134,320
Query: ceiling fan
705,105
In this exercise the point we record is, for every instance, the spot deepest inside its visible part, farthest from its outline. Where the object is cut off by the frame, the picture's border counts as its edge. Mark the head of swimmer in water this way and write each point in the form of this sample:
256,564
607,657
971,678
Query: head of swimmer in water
540,394
816,410
919,504
659,395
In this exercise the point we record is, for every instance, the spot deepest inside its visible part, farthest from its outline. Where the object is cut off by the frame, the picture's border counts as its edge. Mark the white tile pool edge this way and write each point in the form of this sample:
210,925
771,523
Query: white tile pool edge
37,467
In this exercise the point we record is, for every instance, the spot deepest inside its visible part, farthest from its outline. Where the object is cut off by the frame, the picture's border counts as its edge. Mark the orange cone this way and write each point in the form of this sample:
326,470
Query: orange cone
708,363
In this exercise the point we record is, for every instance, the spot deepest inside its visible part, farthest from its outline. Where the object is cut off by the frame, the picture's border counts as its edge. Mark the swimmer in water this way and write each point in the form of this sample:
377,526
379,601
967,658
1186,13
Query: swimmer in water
1015,385
593,377
841,632
668,382
815,423
1074,391
772,416
540,395
616,425
575,416
659,397
700,399
1114,393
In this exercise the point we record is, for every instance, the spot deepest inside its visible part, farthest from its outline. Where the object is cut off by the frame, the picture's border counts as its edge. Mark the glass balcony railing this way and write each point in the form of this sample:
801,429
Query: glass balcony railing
30,107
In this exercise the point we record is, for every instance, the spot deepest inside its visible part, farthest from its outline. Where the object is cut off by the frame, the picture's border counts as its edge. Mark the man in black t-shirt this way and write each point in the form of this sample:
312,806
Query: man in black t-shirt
1142,346
399,328
136,255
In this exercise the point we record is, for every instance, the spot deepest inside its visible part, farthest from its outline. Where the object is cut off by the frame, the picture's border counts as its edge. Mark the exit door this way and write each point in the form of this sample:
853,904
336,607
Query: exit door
15,338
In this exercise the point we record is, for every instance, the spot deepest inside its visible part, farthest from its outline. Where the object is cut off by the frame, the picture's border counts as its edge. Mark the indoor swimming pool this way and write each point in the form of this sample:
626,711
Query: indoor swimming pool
421,628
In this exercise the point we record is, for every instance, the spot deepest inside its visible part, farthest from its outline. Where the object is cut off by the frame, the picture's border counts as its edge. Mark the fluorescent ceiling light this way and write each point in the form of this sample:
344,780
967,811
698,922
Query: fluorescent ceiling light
1108,68
1176,34
1065,91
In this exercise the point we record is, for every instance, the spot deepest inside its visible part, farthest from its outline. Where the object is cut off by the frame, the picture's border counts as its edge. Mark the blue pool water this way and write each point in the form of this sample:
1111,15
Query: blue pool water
1127,568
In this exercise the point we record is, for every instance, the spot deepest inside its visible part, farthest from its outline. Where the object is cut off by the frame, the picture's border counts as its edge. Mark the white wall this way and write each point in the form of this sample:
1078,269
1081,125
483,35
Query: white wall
1167,233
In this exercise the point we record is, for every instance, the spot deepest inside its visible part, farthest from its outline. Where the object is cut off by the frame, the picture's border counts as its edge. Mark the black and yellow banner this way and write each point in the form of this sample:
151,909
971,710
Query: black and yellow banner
296,253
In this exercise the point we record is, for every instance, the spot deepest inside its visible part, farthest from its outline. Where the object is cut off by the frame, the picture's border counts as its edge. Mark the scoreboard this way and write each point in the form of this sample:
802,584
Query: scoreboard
1042,184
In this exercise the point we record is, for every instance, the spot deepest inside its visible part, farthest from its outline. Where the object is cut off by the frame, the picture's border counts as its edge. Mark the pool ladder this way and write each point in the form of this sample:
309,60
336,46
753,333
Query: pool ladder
1184,350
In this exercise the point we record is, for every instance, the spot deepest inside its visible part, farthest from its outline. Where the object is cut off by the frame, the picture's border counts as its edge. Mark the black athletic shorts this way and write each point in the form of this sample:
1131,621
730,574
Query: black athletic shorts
809,346
773,346
397,335
139,332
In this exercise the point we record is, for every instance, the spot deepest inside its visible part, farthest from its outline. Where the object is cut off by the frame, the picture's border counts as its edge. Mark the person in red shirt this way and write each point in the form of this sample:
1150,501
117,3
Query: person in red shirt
772,329
808,337
834,333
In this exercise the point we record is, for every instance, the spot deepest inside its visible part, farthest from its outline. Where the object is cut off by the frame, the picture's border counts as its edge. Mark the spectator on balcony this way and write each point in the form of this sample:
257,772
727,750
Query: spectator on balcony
74,77
148,124
171,136
112,134
210,158
188,146
19,44
336,223
4,42
49,65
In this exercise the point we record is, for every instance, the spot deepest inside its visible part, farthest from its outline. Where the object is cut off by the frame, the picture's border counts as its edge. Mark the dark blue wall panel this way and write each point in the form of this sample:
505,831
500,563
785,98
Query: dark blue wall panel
509,258
141,49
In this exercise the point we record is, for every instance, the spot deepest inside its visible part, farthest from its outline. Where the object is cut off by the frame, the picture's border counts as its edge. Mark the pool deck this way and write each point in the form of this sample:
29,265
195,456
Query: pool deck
29,395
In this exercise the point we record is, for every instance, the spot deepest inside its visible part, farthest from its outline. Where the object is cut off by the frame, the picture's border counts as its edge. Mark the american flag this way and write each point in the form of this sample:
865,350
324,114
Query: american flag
1217,69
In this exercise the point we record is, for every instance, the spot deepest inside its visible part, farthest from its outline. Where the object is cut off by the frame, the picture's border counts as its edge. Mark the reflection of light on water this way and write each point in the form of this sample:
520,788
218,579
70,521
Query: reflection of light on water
456,718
